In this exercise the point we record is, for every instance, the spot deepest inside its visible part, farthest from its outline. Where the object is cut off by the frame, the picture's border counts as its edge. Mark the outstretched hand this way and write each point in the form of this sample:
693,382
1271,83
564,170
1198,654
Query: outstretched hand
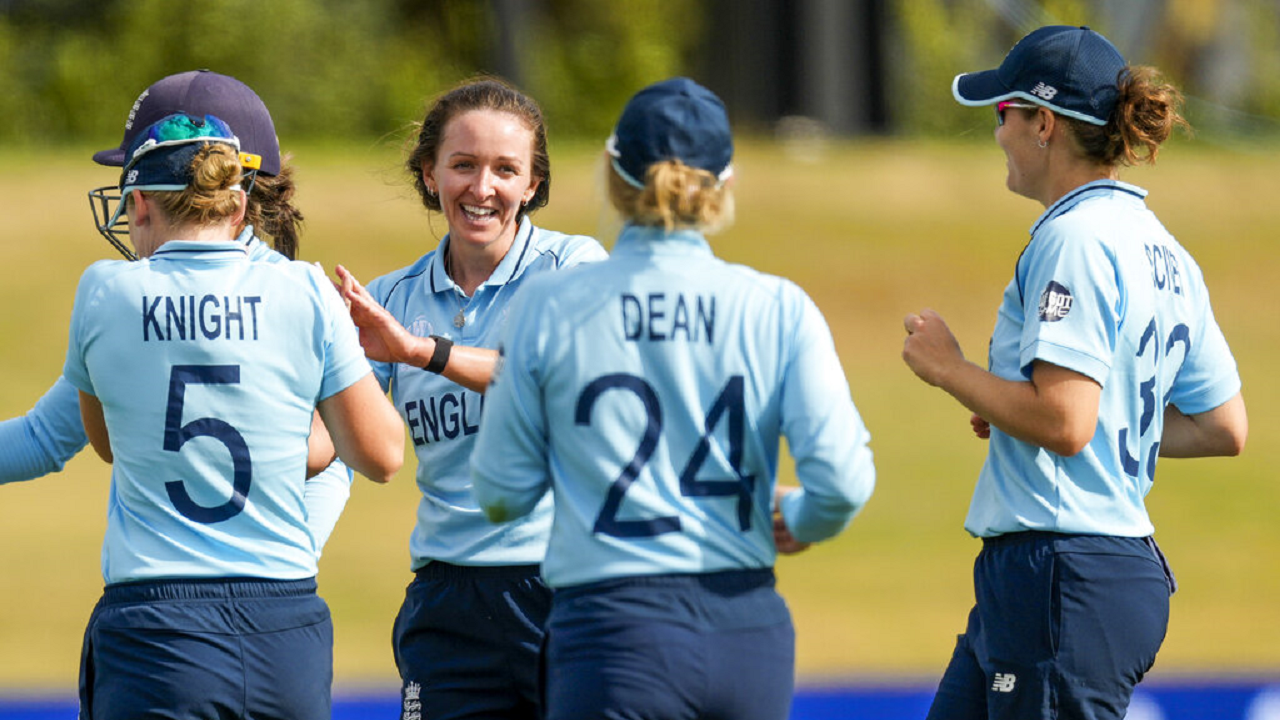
383,338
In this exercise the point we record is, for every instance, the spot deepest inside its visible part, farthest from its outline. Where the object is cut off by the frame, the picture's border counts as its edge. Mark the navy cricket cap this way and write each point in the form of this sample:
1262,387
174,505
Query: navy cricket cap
200,93
1073,71
675,119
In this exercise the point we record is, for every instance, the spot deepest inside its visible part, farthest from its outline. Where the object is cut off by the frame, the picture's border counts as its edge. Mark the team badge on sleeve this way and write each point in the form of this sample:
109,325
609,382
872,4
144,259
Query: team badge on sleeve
1055,302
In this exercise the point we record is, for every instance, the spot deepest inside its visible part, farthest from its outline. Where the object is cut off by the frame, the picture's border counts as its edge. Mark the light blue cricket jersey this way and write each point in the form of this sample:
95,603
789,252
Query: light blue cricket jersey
650,391
442,416
1104,290
208,367
326,492
43,439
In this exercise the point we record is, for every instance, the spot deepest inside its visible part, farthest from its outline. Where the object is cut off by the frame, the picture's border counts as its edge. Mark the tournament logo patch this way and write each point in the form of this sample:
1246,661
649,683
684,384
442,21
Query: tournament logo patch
1055,302
421,327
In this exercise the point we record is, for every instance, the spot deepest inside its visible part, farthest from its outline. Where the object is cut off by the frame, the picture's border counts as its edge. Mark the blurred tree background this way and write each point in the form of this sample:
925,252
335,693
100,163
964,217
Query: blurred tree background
334,70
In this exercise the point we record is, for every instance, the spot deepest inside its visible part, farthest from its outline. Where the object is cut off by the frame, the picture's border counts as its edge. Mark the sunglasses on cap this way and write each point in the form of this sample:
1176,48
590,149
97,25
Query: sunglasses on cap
1006,104
179,129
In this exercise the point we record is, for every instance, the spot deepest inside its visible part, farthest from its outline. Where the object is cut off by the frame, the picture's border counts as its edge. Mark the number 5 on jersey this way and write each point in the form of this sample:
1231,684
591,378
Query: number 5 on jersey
176,435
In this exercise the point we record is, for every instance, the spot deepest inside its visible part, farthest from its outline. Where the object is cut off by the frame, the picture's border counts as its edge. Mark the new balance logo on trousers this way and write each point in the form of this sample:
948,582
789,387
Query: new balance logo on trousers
1003,682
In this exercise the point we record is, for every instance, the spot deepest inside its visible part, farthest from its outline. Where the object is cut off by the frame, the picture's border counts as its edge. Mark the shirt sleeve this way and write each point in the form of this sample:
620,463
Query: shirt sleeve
509,464
326,495
74,369
1209,375
1070,302
45,438
345,362
586,250
825,434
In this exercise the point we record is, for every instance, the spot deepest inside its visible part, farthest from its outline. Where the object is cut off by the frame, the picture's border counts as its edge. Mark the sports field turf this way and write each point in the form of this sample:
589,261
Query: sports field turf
872,231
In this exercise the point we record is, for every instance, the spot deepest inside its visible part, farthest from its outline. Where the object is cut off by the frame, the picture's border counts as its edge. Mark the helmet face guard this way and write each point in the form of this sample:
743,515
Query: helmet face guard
108,206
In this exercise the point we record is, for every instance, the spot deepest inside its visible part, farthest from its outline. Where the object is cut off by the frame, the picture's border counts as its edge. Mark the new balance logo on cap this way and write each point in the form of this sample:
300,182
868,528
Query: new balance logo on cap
1004,682
1044,91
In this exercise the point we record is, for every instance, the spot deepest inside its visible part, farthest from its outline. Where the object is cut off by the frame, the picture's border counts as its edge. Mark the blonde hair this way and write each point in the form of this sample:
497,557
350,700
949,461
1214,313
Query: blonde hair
675,196
1147,110
210,198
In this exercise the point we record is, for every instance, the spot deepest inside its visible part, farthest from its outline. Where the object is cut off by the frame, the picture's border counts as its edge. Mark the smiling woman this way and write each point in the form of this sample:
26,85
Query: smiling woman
467,637
483,183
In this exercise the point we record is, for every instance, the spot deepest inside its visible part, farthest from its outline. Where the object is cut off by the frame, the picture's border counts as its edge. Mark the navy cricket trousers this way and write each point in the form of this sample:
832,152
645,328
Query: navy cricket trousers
1064,627
208,650
713,646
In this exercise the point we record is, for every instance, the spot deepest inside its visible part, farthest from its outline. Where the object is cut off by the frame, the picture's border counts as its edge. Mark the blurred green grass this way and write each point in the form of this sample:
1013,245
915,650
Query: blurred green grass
872,230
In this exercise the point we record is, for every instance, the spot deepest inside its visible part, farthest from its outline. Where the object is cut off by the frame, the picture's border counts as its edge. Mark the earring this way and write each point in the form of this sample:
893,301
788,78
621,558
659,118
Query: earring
431,191
1042,144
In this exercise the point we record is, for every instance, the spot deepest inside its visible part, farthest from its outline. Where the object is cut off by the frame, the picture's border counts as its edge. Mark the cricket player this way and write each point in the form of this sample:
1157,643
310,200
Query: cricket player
199,371
42,440
1105,357
649,393
468,634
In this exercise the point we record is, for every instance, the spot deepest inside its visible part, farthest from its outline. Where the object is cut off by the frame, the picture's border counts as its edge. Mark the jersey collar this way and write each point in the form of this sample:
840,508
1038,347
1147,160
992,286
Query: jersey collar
1067,202
201,249
510,267
649,240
